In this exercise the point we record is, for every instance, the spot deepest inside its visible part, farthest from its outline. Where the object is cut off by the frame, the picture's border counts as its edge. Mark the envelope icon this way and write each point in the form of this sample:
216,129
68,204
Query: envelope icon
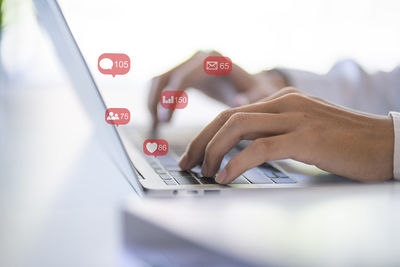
211,65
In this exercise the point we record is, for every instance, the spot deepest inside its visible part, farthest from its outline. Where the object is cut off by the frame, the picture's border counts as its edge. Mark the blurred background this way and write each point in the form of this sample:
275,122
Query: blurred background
157,35
46,151
257,35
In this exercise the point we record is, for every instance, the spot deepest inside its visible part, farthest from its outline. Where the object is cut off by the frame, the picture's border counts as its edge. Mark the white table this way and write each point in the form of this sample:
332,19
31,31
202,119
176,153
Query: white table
351,225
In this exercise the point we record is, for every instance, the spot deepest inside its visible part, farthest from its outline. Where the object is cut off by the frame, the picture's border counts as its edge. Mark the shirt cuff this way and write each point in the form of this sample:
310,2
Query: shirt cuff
396,157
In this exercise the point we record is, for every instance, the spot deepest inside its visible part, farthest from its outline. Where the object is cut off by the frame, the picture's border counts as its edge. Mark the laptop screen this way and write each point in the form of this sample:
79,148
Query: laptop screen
69,53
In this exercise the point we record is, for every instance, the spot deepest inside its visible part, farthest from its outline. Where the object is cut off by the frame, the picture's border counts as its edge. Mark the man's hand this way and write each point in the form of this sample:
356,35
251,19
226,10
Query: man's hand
291,124
236,89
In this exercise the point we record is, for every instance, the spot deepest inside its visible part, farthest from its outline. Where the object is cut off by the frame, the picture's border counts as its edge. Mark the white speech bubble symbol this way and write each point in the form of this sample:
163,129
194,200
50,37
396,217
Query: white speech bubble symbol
106,64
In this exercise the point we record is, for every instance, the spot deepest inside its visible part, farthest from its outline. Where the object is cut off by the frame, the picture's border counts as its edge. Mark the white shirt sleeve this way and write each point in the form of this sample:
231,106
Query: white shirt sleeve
396,157
349,85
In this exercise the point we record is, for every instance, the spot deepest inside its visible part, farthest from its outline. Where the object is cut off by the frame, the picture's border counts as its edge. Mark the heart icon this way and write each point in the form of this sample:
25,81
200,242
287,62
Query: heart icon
151,147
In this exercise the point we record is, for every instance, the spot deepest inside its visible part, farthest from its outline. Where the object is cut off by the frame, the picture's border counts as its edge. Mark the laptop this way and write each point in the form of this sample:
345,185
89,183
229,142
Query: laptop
148,175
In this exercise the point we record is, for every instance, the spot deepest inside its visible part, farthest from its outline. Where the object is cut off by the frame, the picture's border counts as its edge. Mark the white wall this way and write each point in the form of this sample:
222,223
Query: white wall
310,34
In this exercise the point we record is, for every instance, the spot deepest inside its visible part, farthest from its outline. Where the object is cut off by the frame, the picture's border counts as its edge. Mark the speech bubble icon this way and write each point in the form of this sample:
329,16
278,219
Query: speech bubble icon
120,64
217,65
174,99
117,116
155,147
106,64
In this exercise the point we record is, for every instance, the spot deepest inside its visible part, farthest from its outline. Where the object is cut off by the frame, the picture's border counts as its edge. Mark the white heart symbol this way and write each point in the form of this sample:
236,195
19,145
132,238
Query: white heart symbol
151,147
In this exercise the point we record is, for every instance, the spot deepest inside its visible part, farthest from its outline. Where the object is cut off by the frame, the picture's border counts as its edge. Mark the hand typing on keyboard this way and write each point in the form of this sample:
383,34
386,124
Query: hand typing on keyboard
291,124
237,88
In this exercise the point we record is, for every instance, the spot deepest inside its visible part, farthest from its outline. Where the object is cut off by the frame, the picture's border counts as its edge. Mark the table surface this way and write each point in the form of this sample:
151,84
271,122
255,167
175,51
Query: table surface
341,225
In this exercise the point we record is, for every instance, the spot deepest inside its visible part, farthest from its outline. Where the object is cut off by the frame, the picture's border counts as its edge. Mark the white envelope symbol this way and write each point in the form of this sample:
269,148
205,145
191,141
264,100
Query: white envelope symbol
211,65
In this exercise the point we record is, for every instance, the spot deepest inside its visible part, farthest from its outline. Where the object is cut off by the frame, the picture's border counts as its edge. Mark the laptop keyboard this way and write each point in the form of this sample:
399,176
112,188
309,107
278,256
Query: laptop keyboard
168,170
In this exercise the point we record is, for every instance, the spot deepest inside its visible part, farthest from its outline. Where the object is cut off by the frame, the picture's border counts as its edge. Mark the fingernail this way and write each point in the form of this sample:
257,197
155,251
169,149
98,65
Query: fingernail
204,170
221,176
184,161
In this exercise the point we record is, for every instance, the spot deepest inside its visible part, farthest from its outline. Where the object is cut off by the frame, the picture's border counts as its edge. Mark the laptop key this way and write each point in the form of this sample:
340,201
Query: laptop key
240,180
269,172
281,174
267,165
196,169
159,170
283,181
167,160
196,173
256,177
165,176
172,167
170,182
186,180
203,179
179,173
207,180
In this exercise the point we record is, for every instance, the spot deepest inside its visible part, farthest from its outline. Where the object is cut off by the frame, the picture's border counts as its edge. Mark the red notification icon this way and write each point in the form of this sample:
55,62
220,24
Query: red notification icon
174,99
114,64
217,65
155,147
117,116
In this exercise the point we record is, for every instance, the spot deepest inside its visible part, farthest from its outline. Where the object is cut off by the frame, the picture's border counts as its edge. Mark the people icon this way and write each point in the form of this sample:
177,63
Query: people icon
112,116
117,116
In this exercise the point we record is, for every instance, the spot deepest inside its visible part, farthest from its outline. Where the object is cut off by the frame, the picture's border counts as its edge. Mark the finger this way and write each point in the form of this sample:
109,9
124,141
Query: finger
182,79
168,79
258,152
244,126
196,148
156,87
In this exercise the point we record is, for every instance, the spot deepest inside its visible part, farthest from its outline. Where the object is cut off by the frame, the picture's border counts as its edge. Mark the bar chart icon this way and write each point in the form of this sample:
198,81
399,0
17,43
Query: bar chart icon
169,100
